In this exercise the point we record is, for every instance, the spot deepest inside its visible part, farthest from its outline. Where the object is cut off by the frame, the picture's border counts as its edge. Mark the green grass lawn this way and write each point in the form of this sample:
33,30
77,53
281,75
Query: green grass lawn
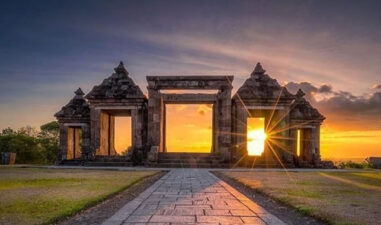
338,197
38,196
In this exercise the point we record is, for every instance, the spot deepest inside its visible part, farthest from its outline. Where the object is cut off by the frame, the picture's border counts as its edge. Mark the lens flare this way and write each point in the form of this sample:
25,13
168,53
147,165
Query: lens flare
256,141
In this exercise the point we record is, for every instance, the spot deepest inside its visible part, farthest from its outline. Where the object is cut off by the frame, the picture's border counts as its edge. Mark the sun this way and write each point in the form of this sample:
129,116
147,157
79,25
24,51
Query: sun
256,142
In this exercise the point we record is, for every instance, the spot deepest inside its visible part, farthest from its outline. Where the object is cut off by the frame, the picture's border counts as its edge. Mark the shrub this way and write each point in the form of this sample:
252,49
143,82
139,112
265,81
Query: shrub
31,146
355,165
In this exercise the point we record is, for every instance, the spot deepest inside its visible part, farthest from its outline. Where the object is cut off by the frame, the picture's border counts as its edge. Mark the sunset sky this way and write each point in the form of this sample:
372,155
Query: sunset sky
330,49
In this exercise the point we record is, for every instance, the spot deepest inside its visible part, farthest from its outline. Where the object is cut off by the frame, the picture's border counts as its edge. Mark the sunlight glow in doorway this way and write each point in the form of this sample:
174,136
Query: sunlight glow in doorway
256,136
122,134
188,128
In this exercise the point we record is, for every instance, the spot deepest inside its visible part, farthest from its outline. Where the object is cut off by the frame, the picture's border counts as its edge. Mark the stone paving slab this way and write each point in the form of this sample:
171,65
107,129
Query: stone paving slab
191,196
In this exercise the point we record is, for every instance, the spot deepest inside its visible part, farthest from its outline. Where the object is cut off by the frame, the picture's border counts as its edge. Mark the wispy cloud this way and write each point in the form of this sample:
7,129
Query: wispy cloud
344,110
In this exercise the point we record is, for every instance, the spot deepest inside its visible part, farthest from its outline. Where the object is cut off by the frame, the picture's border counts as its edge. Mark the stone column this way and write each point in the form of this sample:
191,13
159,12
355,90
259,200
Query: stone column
317,140
86,151
112,135
234,129
154,123
137,127
241,121
239,129
293,141
316,144
63,143
283,150
308,145
224,122
95,124
163,128
215,128
134,131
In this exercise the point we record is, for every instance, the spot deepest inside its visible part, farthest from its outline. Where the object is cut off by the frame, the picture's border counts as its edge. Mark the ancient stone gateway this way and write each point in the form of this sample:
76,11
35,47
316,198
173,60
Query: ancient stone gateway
292,125
221,140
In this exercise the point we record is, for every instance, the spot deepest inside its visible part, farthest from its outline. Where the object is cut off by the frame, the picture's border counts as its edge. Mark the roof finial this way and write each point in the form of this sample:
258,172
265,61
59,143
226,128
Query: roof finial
258,70
300,94
79,92
121,69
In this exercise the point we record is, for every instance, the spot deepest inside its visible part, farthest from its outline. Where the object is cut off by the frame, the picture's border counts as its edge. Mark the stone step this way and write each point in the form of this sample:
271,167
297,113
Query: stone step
189,165
112,159
187,156
304,164
73,162
108,164
189,160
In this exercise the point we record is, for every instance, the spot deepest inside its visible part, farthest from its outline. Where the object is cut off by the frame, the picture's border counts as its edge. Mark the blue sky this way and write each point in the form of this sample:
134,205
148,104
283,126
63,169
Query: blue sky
50,48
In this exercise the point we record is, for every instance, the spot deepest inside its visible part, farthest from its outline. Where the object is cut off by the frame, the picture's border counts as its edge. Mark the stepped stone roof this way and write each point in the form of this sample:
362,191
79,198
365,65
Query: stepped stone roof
260,86
77,108
117,86
302,109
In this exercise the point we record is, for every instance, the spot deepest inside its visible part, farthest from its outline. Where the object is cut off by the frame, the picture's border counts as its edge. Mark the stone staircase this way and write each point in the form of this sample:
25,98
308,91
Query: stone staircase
72,162
189,160
110,161
101,161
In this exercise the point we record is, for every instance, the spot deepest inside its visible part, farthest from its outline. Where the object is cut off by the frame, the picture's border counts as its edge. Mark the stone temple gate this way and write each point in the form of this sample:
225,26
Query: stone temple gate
292,125
221,140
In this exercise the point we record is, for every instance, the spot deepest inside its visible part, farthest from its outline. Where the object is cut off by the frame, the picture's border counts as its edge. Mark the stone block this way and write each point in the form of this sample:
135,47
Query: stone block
219,219
153,154
172,219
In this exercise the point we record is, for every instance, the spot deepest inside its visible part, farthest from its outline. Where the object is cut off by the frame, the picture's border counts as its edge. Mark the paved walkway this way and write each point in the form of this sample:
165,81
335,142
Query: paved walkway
191,196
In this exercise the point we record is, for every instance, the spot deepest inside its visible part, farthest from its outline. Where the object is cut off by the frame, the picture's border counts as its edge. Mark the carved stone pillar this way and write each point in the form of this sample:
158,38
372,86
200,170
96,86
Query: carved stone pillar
63,143
155,123
316,144
215,128
224,123
240,132
95,124
308,145
86,149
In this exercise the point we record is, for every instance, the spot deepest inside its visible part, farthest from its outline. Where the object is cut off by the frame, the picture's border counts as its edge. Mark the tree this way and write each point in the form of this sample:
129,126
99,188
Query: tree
7,131
50,130
27,148
49,139
28,131
30,145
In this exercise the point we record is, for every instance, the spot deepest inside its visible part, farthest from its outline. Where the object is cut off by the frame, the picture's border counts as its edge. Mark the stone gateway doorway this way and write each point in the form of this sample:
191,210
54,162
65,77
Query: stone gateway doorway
188,128
221,110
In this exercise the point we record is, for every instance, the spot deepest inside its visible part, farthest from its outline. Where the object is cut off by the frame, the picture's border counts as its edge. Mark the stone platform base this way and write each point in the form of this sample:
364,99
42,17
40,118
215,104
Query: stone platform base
188,160
100,161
